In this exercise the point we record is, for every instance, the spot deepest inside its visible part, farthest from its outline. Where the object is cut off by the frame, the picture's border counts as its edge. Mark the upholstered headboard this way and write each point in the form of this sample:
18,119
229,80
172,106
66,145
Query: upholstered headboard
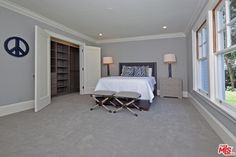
152,65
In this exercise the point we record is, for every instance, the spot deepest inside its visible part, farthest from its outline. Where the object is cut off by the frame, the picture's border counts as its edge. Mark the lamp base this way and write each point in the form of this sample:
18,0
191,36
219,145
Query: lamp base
108,70
170,70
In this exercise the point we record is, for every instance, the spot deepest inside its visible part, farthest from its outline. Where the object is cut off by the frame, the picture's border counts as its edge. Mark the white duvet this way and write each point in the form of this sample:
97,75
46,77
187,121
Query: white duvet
142,85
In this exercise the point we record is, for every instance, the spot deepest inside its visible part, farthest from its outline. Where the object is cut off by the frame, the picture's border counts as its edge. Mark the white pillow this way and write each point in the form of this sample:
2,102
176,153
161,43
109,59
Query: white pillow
149,72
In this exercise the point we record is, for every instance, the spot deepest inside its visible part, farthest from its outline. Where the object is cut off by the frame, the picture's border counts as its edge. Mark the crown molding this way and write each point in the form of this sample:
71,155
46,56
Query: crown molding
140,38
204,14
26,12
196,13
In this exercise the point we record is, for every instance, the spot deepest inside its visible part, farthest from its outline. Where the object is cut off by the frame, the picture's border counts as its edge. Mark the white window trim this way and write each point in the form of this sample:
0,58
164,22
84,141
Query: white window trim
212,59
196,61
232,22
203,58
225,50
228,48
195,68
227,26
203,92
218,74
222,104
225,109
199,81
220,6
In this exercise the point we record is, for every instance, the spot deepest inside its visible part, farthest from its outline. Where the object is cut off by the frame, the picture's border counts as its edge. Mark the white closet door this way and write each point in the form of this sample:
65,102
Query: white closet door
42,69
92,68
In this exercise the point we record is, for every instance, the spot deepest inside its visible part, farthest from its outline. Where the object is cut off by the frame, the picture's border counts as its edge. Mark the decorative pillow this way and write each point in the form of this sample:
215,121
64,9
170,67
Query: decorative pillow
139,71
149,73
127,71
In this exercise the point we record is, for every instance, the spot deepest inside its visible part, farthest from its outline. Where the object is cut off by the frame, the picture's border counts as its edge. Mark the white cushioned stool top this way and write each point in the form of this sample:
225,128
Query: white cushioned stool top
103,93
124,94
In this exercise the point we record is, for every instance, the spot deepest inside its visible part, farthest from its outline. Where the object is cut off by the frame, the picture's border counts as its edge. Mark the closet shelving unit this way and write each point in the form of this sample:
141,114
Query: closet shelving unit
63,68
61,74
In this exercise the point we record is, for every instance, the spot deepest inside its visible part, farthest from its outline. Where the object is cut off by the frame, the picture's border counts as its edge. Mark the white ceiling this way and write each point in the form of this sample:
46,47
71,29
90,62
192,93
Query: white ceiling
117,18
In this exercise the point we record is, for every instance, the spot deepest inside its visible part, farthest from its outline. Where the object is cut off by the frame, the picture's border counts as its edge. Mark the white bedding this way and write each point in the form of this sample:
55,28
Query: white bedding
142,85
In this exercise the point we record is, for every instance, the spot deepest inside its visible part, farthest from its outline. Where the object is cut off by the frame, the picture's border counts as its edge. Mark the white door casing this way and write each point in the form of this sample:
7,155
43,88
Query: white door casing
42,69
81,56
91,68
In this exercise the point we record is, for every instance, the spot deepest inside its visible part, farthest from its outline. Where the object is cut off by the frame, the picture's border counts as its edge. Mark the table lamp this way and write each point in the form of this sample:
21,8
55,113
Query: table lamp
169,59
107,61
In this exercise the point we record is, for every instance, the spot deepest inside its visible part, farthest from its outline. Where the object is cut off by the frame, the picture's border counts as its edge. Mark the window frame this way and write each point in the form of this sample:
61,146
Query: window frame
227,27
215,38
219,53
209,14
199,57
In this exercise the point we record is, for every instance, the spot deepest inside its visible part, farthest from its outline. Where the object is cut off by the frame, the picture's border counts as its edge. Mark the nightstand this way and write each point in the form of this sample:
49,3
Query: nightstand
171,87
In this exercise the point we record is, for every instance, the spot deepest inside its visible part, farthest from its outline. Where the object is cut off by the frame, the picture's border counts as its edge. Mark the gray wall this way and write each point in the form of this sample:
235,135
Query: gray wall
228,123
16,74
189,61
149,51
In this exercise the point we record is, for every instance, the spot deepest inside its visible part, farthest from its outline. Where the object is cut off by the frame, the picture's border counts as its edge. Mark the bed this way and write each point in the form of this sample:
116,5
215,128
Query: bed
146,86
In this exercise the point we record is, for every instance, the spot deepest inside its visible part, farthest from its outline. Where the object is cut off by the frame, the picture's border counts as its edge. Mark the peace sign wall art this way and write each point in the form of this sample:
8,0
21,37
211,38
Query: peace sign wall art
16,46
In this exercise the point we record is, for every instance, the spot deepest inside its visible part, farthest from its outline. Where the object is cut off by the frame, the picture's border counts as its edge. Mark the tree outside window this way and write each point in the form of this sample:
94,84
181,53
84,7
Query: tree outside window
226,30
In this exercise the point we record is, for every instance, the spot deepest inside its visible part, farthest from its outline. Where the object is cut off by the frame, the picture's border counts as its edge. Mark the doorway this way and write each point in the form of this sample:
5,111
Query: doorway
89,61
65,69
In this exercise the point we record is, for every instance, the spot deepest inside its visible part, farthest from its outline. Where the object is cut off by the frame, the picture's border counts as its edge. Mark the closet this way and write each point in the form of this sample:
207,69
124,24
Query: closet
64,67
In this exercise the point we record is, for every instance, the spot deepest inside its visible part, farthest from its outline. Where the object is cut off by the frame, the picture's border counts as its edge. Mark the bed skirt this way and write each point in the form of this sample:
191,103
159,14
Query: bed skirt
144,104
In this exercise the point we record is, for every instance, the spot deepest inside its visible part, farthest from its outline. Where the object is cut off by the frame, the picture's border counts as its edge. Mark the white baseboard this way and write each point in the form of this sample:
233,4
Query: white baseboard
185,93
17,107
217,126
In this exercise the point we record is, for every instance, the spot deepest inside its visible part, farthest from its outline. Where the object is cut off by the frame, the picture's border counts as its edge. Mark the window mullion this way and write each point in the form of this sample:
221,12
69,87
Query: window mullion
222,29
228,28
232,21
211,58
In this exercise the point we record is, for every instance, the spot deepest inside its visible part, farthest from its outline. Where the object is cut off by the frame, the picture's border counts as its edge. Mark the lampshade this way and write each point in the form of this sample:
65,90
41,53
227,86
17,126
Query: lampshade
169,58
107,60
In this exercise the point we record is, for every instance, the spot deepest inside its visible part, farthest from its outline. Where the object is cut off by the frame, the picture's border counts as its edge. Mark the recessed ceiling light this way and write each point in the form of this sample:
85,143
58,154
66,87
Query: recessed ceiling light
100,34
164,27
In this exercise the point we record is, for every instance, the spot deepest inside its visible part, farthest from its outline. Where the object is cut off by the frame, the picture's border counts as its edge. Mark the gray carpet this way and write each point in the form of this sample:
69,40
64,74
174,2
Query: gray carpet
67,128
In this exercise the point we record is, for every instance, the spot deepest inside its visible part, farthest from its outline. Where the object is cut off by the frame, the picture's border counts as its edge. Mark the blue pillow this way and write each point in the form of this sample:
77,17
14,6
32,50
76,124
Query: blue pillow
140,71
127,71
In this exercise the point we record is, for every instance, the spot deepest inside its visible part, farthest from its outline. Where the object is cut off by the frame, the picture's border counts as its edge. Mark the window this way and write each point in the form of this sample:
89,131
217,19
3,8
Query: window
225,18
202,56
